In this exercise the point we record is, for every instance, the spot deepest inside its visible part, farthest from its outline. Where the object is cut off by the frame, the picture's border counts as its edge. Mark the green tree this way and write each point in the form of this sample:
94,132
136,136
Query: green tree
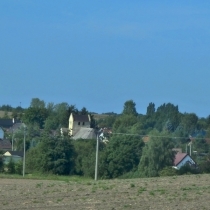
107,121
19,167
157,154
37,103
50,108
62,114
189,122
51,123
167,113
85,153
54,154
83,111
35,115
200,145
124,123
129,108
1,161
122,155
10,166
151,109
6,108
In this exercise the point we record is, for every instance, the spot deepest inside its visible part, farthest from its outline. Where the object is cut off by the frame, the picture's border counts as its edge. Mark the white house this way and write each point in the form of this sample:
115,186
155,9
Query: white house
79,127
14,155
182,159
78,121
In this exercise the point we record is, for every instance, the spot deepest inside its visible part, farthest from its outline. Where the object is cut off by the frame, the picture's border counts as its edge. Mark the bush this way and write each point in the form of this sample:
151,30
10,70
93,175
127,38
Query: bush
10,167
19,167
1,164
168,171
186,169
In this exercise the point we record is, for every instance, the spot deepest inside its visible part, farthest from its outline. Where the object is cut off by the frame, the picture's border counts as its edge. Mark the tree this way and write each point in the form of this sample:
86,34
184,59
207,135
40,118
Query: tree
62,114
130,108
122,155
54,154
50,108
167,113
124,123
85,156
10,166
35,115
157,154
107,121
151,109
189,122
1,160
83,111
37,103
51,123
6,108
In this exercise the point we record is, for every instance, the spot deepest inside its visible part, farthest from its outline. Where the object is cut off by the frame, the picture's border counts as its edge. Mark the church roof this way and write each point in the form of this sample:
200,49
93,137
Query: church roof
85,133
81,118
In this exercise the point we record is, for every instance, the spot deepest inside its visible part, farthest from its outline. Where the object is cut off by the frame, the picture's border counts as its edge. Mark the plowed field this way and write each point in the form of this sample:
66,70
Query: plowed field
181,192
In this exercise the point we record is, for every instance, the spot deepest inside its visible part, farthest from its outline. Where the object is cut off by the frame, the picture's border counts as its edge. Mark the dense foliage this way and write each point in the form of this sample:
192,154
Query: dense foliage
139,145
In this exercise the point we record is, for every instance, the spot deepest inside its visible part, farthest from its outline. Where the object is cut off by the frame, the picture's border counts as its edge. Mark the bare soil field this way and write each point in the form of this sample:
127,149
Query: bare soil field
181,192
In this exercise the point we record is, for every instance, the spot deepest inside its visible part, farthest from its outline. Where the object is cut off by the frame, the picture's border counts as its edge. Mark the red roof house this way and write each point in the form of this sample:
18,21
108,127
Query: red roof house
182,159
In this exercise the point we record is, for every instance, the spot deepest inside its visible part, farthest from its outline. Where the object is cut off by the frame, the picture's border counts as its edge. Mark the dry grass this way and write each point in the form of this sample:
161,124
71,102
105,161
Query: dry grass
182,192
2,114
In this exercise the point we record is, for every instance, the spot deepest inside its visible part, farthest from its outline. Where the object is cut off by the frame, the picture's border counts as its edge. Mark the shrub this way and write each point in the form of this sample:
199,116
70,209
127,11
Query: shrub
19,167
168,171
10,167
186,169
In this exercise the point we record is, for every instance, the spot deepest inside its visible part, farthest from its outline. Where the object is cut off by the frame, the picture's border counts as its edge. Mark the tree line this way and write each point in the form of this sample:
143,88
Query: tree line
126,154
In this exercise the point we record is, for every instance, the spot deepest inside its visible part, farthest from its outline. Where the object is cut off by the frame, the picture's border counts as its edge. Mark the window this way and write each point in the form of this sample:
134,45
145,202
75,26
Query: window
83,123
78,123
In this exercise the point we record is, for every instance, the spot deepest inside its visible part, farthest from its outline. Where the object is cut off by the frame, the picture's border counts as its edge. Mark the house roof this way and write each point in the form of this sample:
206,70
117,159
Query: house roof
16,127
179,157
6,123
16,153
81,118
85,133
5,144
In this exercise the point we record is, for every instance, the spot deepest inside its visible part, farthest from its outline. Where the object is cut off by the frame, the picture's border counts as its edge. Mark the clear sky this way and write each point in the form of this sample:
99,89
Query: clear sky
98,54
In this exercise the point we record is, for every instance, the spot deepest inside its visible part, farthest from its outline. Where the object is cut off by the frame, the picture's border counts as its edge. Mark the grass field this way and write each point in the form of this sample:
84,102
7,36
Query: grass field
179,192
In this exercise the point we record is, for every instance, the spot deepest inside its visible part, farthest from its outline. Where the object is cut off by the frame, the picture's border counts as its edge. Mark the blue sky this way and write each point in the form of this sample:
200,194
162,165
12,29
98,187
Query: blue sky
98,54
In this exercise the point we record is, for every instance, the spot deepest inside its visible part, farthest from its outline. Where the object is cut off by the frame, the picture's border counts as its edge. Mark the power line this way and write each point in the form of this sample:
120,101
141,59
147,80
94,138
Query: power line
152,136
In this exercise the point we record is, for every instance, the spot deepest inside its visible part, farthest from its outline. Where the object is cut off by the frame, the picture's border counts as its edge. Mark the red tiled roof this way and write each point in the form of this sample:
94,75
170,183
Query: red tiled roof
179,157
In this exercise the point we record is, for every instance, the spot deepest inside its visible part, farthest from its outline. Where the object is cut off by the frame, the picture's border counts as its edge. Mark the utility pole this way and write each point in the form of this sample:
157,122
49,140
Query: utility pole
190,148
13,121
12,140
96,166
24,151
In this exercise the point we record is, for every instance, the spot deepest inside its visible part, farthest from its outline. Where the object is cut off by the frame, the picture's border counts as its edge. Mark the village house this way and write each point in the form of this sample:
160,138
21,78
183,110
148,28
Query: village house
79,127
5,145
182,159
76,122
14,155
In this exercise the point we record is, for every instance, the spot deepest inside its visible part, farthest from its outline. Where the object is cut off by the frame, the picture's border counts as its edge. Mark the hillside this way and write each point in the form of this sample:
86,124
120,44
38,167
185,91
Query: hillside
2,114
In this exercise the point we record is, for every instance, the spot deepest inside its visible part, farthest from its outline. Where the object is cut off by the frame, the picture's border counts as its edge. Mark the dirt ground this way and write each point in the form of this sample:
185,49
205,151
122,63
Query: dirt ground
181,192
